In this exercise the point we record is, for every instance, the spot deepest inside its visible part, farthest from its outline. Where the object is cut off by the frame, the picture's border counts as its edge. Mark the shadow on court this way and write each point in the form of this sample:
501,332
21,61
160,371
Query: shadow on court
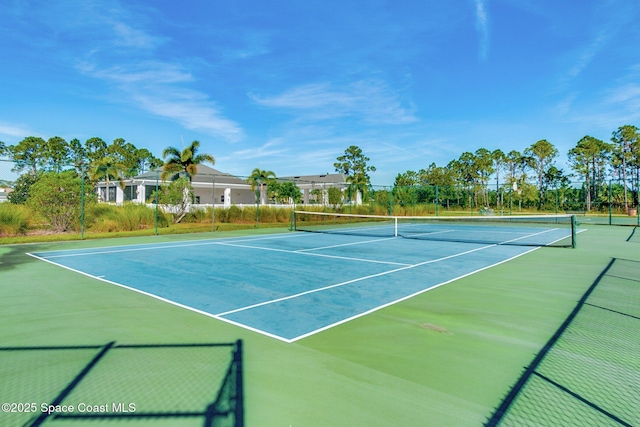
587,373
12,256
186,384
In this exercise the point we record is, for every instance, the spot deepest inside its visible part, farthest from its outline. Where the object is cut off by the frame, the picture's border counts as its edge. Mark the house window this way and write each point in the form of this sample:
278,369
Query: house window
130,193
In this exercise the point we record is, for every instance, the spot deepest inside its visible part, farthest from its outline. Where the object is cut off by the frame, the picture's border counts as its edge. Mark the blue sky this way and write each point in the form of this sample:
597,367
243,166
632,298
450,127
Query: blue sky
287,86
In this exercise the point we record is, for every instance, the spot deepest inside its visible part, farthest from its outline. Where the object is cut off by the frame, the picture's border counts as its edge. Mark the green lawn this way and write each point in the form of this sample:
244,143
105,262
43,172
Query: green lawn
444,358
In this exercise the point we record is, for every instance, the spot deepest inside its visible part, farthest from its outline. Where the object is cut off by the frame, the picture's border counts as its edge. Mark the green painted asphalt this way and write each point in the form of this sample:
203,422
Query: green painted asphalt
442,358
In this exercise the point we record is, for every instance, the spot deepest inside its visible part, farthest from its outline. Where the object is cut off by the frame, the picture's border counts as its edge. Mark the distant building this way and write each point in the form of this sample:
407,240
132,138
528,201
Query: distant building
4,194
212,187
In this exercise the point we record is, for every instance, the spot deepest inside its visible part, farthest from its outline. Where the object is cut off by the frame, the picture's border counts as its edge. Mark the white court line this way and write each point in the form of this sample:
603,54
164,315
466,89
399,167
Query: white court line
164,245
111,282
345,244
384,273
316,255
265,333
324,288
380,307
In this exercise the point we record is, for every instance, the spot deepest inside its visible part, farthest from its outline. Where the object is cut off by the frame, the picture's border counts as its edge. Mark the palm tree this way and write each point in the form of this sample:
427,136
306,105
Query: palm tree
260,178
183,162
107,168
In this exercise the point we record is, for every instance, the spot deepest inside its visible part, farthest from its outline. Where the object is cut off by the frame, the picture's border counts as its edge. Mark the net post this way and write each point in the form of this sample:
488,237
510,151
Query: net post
574,224
292,220
395,231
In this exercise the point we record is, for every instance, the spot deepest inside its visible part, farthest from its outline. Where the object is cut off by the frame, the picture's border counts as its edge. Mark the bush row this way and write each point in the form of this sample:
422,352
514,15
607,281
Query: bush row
104,218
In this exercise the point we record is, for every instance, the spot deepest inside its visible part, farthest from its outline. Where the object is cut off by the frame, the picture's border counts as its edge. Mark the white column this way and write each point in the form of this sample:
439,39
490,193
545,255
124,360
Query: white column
140,190
227,197
119,195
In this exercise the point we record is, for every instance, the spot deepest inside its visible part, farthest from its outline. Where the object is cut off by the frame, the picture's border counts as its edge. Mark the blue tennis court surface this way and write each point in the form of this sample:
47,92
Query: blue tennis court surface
287,286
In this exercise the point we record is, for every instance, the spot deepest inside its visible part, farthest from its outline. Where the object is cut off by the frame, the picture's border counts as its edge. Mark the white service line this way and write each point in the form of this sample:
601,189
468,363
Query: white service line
352,281
316,255
345,244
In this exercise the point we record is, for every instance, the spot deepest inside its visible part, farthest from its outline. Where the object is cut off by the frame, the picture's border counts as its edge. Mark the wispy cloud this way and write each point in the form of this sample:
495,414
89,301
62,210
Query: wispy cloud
271,148
14,130
145,72
192,109
125,35
587,54
369,100
482,26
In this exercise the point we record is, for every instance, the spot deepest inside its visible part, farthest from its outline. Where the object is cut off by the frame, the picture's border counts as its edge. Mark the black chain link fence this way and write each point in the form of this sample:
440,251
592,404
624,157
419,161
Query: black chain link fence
184,384
588,373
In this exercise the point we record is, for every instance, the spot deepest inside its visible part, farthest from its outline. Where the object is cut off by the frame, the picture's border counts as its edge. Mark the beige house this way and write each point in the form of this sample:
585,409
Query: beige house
212,187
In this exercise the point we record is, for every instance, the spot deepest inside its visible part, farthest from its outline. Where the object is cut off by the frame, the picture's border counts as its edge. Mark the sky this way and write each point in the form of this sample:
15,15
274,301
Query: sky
288,85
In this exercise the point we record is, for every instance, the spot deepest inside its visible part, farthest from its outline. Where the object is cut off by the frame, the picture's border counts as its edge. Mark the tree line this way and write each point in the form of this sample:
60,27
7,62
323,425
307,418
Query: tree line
532,172
592,161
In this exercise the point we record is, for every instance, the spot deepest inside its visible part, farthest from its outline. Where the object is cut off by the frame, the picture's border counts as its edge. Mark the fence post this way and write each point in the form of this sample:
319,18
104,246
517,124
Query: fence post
437,202
157,200
82,202
610,201
213,204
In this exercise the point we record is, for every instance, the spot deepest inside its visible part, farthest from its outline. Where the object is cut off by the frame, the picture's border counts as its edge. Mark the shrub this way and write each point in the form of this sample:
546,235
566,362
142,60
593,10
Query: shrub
266,215
22,187
130,217
14,219
197,216
221,214
234,214
57,197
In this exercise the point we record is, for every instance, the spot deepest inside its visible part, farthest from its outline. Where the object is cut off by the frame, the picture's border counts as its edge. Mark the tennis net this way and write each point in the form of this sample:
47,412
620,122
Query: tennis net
518,230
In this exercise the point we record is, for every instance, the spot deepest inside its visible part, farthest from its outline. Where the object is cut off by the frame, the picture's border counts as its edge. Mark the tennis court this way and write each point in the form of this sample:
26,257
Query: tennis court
294,285
448,357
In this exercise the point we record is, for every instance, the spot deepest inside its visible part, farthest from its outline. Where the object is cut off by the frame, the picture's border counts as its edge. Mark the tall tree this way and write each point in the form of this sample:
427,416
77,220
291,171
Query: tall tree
145,161
499,161
29,153
437,176
484,166
588,158
543,153
406,179
624,138
56,153
184,162
354,162
95,149
259,179
124,153
77,155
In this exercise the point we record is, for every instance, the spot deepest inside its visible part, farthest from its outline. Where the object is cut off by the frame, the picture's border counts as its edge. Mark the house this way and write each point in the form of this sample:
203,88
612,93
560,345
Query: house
211,187
4,194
